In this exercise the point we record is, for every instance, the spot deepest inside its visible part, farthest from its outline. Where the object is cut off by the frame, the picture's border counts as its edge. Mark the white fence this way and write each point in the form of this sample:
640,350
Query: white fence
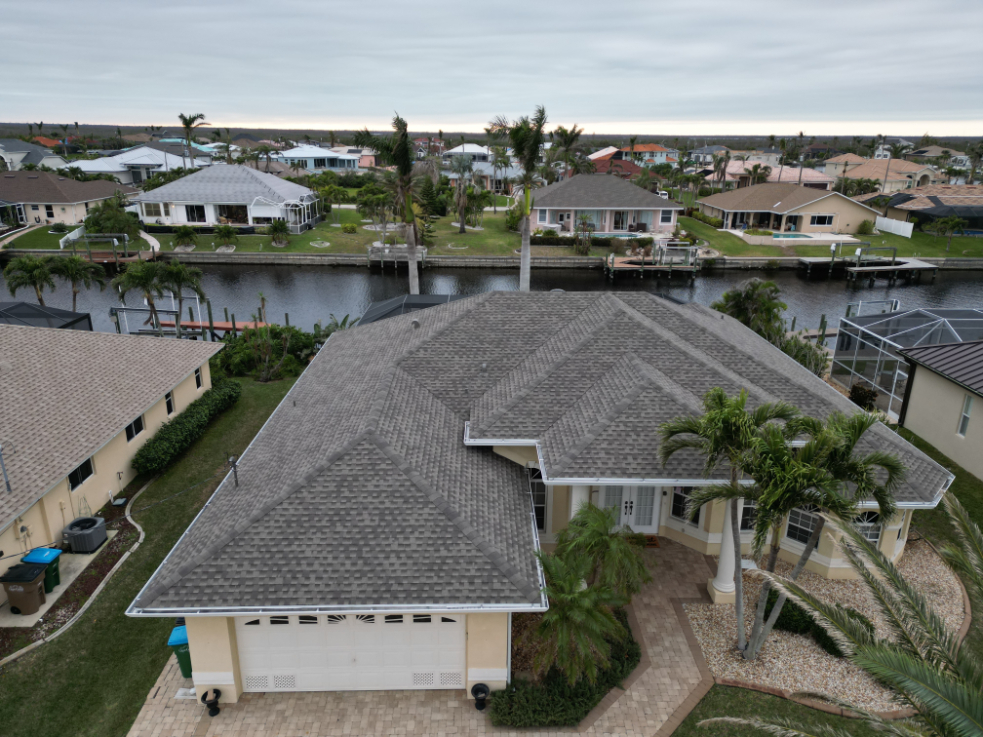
73,236
887,225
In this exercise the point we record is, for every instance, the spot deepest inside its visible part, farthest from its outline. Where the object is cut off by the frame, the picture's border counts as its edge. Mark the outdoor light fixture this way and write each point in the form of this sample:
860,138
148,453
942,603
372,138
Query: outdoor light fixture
480,692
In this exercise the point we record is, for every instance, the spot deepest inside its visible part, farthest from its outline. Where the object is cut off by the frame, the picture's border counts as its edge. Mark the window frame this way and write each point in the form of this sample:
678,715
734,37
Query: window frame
750,506
672,506
169,403
542,216
92,472
132,430
665,216
536,478
49,211
812,220
152,210
199,379
868,522
962,427
809,510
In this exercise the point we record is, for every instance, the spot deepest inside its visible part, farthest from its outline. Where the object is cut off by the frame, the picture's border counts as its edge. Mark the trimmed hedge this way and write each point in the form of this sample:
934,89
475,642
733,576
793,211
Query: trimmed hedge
199,229
712,222
555,703
793,618
176,436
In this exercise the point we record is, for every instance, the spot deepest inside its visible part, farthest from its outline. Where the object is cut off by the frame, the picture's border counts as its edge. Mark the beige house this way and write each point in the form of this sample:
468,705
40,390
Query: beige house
894,175
382,537
787,208
37,197
943,403
75,407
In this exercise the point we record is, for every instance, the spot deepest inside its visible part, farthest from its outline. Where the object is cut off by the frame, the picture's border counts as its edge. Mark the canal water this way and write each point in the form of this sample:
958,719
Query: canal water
311,293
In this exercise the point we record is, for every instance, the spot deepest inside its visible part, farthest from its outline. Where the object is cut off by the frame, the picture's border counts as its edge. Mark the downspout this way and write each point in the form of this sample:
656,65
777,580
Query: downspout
508,663
907,392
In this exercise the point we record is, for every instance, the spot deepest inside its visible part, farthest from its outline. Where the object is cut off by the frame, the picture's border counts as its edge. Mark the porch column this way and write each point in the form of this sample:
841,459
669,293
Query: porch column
721,587
579,495
781,227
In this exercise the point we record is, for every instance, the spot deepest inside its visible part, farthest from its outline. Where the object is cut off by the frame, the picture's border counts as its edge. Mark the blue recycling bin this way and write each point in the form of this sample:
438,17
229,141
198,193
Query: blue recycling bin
49,557
178,641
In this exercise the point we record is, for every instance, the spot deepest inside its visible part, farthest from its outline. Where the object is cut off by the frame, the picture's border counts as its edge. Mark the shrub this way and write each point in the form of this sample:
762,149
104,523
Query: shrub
240,357
772,264
553,702
863,396
390,240
58,228
513,218
712,222
705,192
176,436
550,233
793,618
865,228
349,228
758,231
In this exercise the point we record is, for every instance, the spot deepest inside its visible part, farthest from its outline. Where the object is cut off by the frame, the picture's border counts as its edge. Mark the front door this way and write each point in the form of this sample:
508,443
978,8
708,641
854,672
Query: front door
638,506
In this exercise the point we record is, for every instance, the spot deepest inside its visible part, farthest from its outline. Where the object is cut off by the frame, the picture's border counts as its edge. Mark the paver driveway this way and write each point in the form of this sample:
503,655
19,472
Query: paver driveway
668,683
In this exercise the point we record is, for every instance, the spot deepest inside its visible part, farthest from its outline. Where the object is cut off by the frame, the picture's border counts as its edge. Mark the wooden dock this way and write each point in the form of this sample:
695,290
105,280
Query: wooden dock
217,328
891,269
381,255
639,267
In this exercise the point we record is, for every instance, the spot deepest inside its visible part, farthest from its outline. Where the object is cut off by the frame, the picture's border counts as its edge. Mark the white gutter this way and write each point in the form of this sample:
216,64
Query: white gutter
232,611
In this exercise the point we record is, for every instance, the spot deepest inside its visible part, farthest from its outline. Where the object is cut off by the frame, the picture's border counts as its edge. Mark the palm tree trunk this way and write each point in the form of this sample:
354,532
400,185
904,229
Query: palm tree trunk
758,637
735,527
75,296
410,224
154,317
525,259
37,291
180,314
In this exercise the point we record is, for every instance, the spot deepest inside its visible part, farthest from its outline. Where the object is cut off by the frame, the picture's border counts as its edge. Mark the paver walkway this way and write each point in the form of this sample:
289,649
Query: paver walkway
665,687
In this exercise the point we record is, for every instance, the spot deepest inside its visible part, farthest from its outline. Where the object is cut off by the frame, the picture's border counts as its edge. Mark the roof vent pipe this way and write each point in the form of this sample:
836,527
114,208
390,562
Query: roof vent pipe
415,324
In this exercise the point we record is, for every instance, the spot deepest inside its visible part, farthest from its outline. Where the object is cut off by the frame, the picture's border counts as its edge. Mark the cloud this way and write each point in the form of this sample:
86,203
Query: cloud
760,66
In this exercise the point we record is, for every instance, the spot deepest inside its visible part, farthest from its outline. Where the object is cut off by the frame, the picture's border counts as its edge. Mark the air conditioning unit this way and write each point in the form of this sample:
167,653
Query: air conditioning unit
85,534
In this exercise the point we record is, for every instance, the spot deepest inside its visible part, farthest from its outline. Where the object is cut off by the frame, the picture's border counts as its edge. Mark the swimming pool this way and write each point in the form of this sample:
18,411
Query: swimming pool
789,235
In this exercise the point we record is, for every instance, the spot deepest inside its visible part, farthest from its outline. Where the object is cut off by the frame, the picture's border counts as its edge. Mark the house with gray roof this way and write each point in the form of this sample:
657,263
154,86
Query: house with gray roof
384,524
15,153
612,205
36,197
230,194
139,163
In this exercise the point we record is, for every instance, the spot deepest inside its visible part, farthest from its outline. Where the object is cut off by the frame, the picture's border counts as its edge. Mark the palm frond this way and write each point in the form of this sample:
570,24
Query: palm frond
967,558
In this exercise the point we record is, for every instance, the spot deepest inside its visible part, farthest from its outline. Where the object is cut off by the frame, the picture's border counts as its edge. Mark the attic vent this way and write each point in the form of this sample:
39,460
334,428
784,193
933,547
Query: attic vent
33,176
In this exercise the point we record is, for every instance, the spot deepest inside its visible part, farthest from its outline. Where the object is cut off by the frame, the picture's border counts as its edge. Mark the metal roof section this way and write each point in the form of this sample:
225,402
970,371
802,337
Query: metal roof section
958,362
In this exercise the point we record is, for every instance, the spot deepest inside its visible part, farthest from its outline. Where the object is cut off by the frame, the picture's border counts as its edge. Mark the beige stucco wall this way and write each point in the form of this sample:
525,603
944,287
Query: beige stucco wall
521,454
934,408
70,214
487,650
561,508
847,215
215,656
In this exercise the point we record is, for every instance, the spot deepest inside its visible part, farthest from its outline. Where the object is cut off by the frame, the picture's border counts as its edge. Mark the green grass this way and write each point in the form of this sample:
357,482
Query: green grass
93,679
723,701
38,238
727,243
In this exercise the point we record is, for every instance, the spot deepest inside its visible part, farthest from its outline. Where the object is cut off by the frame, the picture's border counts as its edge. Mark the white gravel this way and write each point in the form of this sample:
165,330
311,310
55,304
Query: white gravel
795,662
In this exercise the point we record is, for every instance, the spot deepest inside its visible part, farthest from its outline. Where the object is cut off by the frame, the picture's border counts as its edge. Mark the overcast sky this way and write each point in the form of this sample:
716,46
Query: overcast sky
829,67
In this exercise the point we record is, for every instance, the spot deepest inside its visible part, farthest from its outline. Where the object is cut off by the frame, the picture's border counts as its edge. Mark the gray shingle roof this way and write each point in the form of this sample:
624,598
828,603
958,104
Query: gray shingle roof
55,418
361,491
960,362
227,184
586,191
46,187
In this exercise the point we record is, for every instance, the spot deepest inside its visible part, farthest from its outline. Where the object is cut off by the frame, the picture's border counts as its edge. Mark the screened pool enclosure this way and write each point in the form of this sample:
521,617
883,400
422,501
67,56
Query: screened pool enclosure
867,347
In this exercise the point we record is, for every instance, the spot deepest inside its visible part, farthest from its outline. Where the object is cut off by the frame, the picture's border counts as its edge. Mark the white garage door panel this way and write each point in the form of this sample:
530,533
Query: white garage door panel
351,652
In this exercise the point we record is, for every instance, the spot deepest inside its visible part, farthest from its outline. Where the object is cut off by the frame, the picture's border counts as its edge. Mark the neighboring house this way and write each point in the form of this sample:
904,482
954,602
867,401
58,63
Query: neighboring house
787,207
613,205
137,164
75,408
475,151
490,178
893,174
883,149
936,201
179,146
704,155
619,168
765,157
276,168
26,314
603,154
230,195
367,157
428,147
317,159
837,165
15,153
739,172
818,151
382,537
648,154
943,401
934,155
46,142
44,197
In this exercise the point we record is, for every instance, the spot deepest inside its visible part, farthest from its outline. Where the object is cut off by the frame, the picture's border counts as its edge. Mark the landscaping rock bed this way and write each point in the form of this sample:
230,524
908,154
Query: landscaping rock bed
796,663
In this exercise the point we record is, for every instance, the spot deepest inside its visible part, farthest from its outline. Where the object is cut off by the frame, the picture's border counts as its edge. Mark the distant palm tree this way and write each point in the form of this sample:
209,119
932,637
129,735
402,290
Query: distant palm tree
264,150
147,278
189,123
178,277
77,271
566,141
758,173
41,128
898,150
464,168
279,233
29,271
501,161
948,226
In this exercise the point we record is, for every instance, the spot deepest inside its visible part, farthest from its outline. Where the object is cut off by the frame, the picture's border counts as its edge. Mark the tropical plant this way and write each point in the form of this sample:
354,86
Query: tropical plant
464,168
226,235
758,173
147,278
947,227
264,150
279,233
185,235
189,123
178,278
29,271
79,272
110,216
807,353
863,396
573,635
726,432
501,161
526,138
755,304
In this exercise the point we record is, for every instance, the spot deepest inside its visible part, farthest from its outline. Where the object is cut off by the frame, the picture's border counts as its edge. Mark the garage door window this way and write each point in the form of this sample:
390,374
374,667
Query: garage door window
279,620
306,619
394,619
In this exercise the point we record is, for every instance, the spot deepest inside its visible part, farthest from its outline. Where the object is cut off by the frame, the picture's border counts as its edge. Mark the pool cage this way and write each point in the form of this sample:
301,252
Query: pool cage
867,347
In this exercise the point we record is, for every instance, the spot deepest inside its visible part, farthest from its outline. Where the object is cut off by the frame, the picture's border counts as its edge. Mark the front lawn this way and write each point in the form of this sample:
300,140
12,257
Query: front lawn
727,243
38,238
92,680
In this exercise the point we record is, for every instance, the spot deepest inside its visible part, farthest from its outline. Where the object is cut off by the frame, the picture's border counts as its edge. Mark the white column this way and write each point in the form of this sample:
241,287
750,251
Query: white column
579,496
723,583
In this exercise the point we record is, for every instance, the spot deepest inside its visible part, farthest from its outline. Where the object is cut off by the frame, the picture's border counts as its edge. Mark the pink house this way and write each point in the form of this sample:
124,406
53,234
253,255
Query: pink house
614,206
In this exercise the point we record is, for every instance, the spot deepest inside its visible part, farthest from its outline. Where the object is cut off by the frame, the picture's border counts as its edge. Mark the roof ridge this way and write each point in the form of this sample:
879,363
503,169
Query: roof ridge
491,552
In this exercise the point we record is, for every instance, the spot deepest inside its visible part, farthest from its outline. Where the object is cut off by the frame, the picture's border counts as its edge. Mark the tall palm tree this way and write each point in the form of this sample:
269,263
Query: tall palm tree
177,278
464,168
189,123
726,432
29,271
758,173
566,141
755,304
397,150
79,272
526,137
264,150
147,278
501,161
898,150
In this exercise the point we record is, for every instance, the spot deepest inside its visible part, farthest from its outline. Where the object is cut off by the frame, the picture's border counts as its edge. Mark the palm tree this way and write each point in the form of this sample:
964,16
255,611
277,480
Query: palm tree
921,660
147,278
464,168
898,150
526,137
189,123
501,161
185,235
566,140
759,173
226,235
77,271
29,271
575,631
947,227
755,304
397,151
177,277
279,233
264,150
726,431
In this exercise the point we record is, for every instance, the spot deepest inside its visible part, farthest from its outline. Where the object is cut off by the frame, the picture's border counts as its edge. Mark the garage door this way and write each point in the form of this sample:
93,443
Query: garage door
351,652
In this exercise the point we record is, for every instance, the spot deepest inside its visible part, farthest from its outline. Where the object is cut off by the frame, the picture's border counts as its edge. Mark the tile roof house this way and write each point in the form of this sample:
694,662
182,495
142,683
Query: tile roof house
894,174
317,159
15,153
935,154
964,201
739,172
835,166
230,194
943,400
787,207
43,197
614,206
396,522
67,439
